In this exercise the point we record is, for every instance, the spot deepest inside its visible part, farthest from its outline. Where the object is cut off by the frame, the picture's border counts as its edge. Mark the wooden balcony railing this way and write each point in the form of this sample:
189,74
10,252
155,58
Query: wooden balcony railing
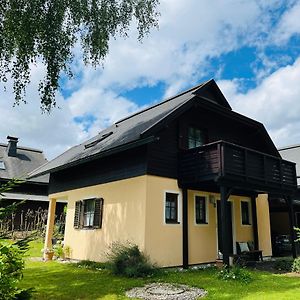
225,161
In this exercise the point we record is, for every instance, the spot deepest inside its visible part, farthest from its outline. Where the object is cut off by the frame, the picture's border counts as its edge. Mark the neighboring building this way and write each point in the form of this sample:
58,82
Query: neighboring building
183,179
17,162
279,217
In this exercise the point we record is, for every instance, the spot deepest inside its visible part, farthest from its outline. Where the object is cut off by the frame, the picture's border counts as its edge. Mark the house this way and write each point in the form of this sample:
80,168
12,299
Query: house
279,217
182,179
16,162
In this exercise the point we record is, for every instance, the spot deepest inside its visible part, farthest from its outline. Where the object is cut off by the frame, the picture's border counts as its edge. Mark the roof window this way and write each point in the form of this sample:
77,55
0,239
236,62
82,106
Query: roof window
94,143
2,165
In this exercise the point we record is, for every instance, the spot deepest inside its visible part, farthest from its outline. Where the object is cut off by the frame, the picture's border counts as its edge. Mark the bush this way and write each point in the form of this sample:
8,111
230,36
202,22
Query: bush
296,265
11,266
59,250
283,265
235,273
91,265
129,261
297,229
11,254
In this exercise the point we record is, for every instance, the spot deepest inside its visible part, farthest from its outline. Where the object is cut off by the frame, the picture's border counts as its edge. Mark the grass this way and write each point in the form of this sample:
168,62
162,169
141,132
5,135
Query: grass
35,249
54,280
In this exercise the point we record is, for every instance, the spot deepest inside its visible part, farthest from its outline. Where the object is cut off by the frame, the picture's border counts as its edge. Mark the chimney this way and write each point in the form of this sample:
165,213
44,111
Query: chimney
12,146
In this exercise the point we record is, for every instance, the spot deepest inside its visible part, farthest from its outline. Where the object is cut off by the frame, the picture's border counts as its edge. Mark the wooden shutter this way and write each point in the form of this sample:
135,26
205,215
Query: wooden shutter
77,218
98,213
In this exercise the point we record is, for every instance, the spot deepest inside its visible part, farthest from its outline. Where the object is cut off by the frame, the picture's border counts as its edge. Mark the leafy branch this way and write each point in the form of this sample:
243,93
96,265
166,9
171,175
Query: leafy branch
48,31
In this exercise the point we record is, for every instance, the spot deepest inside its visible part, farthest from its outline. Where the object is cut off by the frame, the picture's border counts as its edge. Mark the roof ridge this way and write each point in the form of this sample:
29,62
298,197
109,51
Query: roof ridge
288,147
164,101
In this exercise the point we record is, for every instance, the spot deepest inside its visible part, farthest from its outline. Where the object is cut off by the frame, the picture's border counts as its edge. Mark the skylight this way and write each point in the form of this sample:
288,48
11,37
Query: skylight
94,143
2,165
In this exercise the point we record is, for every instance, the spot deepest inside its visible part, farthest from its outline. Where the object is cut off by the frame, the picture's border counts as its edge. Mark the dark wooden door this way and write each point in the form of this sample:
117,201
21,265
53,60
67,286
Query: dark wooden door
220,244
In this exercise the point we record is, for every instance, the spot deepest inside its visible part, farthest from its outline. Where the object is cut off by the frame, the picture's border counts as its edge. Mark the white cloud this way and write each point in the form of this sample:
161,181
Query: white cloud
289,24
52,133
191,32
275,103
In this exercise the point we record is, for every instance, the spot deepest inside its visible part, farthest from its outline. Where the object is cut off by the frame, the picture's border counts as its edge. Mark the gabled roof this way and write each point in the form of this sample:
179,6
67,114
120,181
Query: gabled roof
136,129
19,166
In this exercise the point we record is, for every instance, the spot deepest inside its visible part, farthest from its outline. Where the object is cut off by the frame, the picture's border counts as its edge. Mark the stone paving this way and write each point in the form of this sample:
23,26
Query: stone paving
166,291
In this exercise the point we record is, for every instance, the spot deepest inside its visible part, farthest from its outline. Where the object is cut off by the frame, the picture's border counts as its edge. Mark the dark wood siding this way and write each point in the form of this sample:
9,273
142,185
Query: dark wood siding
124,165
163,153
231,164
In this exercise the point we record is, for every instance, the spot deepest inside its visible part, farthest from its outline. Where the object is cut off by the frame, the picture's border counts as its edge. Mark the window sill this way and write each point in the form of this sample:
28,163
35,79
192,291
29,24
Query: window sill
172,222
87,228
202,223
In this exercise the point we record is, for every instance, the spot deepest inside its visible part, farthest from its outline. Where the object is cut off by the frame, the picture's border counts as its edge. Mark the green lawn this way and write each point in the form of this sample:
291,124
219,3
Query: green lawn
35,249
53,280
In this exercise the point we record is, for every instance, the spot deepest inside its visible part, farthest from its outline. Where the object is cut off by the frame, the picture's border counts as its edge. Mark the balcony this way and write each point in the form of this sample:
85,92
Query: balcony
236,166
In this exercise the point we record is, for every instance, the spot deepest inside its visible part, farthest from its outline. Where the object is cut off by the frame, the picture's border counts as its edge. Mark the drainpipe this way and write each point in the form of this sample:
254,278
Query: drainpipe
185,239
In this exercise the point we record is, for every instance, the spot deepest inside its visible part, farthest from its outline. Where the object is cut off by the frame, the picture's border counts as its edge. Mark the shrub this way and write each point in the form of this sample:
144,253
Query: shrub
296,265
67,251
283,265
297,229
235,273
59,250
91,265
11,254
11,266
129,261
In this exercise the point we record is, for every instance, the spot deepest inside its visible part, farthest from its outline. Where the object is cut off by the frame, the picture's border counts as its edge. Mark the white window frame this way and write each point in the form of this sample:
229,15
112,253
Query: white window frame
179,207
250,212
206,209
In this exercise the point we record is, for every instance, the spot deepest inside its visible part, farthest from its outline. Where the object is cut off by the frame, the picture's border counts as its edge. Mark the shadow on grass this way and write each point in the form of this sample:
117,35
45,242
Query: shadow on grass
53,280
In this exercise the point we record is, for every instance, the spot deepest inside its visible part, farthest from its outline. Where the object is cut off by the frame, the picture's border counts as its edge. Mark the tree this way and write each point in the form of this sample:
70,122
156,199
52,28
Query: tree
48,31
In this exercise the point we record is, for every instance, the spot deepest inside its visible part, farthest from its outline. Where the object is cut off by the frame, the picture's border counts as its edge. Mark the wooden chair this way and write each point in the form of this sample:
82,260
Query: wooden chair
246,251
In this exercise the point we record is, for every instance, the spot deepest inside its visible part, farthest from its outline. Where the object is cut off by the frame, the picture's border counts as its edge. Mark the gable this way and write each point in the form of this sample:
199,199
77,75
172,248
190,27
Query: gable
211,92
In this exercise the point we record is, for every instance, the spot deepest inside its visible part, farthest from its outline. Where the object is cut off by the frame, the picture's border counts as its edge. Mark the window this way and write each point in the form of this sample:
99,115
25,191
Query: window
245,212
2,165
88,213
171,208
200,210
196,137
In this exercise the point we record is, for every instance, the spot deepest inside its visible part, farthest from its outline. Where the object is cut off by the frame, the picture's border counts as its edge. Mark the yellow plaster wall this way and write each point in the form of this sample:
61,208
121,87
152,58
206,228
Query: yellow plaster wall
163,242
134,211
243,233
123,217
263,224
202,237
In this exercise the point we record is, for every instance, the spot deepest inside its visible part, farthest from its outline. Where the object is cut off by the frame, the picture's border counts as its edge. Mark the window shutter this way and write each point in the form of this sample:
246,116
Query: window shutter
98,213
77,215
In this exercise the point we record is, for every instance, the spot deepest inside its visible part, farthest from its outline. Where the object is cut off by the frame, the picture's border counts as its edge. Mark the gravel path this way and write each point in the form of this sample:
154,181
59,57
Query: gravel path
166,291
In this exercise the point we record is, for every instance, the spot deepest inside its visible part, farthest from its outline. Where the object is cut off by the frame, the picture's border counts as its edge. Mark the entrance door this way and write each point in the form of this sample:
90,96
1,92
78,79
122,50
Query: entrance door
220,224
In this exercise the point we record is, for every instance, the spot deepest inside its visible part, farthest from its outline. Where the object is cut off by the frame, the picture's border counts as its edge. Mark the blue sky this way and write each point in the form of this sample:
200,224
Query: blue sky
251,48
